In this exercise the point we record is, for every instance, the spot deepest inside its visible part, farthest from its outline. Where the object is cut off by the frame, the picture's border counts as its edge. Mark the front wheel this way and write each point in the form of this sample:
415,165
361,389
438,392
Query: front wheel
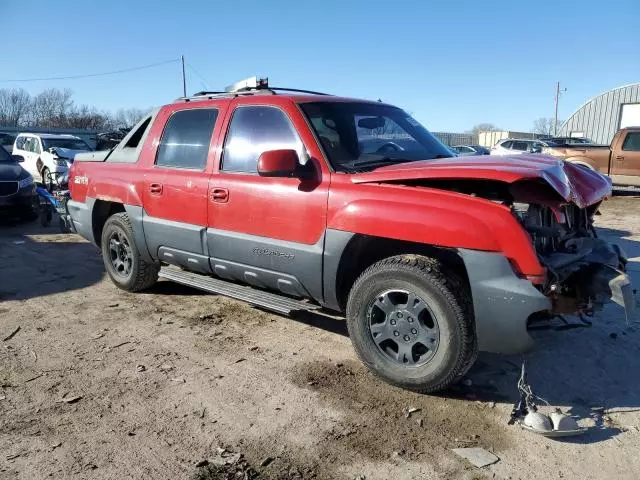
411,324
47,179
121,256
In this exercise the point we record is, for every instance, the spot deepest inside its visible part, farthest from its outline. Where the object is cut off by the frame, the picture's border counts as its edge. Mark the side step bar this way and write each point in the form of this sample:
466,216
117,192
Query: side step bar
269,301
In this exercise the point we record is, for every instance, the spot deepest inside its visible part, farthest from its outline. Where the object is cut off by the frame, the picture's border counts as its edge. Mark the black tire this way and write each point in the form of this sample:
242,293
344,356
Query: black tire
140,274
450,317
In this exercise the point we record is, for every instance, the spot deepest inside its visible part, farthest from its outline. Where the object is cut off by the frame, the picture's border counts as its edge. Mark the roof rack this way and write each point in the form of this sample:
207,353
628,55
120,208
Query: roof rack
249,86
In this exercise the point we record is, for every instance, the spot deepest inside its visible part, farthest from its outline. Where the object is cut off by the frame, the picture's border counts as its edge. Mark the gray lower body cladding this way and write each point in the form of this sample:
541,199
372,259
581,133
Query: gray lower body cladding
81,216
502,303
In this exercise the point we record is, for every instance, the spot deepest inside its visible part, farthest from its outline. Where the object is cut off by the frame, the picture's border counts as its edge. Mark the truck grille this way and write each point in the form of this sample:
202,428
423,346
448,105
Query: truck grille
8,188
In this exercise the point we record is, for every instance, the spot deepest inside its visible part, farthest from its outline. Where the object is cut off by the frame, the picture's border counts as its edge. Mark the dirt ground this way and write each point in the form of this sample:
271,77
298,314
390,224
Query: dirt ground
173,384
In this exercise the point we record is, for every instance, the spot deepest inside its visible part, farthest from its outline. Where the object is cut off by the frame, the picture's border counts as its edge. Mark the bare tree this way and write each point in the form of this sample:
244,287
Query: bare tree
14,106
55,108
545,126
127,118
49,106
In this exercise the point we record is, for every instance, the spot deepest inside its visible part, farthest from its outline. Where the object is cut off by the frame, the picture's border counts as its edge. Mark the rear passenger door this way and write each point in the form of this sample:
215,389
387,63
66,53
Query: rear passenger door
175,187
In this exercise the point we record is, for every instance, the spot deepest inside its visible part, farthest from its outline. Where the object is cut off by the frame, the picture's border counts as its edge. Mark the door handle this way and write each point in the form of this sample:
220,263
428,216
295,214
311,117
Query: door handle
619,157
155,188
220,195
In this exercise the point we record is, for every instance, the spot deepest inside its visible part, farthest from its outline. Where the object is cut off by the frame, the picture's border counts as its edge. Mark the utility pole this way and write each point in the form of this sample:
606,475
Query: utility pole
184,84
555,118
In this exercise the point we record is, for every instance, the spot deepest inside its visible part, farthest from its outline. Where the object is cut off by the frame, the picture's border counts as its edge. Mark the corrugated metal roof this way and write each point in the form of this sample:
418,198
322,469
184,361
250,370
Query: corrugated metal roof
599,118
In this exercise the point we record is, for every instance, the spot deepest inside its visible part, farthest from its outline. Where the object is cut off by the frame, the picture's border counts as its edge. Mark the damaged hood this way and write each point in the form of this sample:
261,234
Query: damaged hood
67,153
573,183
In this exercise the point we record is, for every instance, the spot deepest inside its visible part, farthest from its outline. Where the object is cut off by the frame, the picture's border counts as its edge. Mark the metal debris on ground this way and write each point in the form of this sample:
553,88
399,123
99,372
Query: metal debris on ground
140,368
266,461
478,457
409,410
33,378
253,348
525,413
71,399
240,360
10,336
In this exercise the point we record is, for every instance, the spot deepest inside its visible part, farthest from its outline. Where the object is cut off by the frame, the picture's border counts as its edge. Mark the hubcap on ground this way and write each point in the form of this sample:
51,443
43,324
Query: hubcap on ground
403,327
120,254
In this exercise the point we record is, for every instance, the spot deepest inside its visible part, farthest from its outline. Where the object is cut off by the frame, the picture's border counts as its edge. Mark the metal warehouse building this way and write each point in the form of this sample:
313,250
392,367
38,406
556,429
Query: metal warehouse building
602,116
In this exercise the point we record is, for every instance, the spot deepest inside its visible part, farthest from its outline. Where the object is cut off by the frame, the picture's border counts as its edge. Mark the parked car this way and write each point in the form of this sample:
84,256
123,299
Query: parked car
562,141
47,156
17,189
6,141
514,146
108,140
467,150
620,160
278,198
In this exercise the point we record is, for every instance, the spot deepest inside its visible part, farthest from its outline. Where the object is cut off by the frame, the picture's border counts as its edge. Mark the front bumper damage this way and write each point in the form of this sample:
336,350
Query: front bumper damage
505,305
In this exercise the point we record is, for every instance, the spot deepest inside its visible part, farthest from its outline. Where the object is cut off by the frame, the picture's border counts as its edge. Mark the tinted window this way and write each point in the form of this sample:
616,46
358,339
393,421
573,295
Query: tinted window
69,143
254,130
186,138
522,146
507,144
632,142
20,143
134,140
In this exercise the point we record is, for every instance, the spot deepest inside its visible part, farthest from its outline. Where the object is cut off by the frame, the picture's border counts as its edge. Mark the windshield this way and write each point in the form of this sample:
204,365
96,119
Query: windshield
365,135
70,143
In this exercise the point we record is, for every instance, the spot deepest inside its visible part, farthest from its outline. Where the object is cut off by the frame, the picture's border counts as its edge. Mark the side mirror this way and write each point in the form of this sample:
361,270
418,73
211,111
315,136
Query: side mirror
18,158
278,163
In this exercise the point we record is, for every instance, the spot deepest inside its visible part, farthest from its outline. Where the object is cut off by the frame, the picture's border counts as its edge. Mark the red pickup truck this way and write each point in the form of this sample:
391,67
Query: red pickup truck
294,200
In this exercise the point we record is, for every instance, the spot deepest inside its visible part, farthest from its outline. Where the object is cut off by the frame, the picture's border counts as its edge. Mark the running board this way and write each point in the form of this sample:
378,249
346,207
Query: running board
259,298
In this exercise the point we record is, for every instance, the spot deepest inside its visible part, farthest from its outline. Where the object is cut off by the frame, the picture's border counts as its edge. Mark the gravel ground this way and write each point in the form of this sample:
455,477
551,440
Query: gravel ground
172,383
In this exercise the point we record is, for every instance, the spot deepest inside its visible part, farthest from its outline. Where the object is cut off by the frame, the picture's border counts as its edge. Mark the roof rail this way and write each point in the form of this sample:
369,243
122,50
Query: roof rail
249,86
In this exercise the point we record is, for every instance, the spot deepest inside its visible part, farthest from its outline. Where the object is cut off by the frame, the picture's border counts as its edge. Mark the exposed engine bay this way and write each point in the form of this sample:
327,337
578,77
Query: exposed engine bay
583,271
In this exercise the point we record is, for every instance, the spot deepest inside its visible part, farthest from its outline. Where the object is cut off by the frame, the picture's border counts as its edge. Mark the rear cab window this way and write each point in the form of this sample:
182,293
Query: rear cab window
631,142
186,138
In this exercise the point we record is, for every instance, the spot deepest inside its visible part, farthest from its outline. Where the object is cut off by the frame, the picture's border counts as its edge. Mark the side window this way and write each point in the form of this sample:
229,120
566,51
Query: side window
632,142
186,138
20,143
35,145
254,130
507,145
134,140
27,144
520,146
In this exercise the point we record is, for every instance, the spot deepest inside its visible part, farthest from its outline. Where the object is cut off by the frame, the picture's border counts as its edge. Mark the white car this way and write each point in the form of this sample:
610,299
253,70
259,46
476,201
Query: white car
47,157
511,146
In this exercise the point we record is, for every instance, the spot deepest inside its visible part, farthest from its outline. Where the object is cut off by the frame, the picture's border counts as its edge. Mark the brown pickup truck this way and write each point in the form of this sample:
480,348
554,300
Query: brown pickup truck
620,161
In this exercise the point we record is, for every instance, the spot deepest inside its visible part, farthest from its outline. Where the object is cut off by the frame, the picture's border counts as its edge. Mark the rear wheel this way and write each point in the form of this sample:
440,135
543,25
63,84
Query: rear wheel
121,256
408,326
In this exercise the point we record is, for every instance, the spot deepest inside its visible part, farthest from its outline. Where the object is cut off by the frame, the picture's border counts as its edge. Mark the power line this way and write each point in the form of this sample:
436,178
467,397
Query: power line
198,75
71,77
